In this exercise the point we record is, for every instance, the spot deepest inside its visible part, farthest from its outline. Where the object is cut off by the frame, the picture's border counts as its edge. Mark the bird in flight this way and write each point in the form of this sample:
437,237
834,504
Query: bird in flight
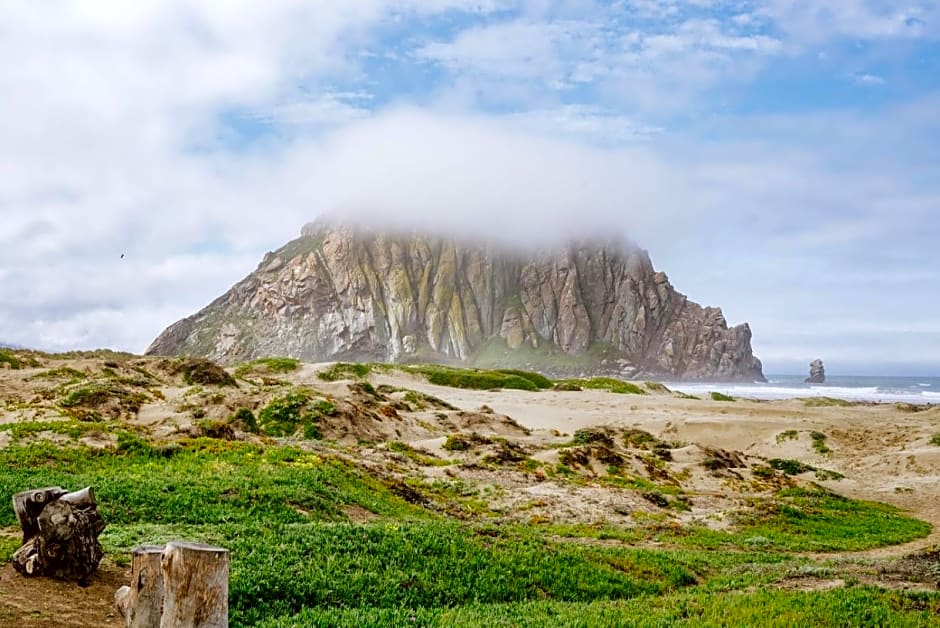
122,256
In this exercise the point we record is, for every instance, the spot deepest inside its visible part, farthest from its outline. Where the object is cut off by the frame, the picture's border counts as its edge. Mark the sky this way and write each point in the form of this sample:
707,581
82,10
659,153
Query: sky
778,159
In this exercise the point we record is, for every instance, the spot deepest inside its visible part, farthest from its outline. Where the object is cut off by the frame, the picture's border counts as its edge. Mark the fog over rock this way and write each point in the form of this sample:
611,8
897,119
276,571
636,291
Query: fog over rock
348,292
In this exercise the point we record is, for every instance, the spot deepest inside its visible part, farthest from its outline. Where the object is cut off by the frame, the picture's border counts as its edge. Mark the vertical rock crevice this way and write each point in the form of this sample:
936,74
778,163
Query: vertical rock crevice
348,292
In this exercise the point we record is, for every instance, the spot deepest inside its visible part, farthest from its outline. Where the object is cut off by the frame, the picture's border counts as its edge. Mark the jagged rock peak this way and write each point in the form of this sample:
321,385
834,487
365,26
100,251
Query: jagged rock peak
346,291
817,373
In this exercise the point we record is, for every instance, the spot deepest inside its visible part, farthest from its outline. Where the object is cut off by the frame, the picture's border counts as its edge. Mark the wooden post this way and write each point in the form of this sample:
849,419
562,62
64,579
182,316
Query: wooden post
182,585
141,604
195,580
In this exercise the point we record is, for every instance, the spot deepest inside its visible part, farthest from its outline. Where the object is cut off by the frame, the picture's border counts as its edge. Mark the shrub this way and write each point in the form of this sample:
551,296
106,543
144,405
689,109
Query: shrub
294,412
345,370
639,439
819,442
200,371
790,467
607,383
244,419
763,472
216,429
474,379
717,396
935,440
268,365
10,360
590,435
539,380
131,444
823,402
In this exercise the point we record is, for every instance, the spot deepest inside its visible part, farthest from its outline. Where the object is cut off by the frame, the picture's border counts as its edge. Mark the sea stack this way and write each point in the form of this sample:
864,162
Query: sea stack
817,373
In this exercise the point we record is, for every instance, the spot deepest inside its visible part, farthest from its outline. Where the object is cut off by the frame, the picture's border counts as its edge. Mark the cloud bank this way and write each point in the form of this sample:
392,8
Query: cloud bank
192,139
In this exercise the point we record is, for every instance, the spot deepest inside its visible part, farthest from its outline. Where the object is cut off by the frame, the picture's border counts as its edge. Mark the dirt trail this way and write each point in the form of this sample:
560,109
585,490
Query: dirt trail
47,603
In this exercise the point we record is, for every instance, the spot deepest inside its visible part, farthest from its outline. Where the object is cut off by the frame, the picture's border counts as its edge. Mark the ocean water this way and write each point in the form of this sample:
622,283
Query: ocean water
919,390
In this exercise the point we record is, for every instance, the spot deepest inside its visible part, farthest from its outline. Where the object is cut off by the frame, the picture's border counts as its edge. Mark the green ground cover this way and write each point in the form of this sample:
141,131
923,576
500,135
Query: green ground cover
297,559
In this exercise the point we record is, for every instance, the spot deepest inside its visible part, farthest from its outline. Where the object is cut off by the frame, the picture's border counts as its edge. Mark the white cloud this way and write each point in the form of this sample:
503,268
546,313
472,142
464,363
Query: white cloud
114,142
820,20
868,79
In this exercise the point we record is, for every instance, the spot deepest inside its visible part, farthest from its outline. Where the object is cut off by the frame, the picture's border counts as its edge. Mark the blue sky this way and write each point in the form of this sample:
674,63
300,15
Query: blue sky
779,159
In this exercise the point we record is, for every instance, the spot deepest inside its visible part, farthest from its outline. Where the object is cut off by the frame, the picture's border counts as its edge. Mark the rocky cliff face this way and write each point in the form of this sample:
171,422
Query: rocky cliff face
343,292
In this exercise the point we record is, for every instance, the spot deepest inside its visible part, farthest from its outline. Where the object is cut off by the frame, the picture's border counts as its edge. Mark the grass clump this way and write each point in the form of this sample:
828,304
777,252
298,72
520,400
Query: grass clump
656,387
89,402
475,379
789,467
463,442
9,360
824,475
824,402
345,370
912,407
297,411
935,440
639,439
717,396
72,428
607,383
787,435
62,372
268,365
819,442
538,379
421,401
202,372
592,435
244,419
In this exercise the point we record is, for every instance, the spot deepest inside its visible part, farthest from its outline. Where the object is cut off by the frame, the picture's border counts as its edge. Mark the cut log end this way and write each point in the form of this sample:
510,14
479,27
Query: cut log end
60,533
182,585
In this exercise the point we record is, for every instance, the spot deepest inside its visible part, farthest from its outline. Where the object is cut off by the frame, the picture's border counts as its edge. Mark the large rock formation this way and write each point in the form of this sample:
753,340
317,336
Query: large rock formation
345,292
817,373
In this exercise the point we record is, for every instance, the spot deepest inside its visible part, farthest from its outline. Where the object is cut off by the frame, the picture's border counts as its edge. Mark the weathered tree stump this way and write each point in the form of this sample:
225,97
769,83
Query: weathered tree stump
60,533
195,579
184,585
141,604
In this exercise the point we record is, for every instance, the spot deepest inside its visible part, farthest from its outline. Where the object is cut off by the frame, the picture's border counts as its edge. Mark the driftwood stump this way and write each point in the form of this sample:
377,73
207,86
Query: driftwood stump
184,585
141,604
60,533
